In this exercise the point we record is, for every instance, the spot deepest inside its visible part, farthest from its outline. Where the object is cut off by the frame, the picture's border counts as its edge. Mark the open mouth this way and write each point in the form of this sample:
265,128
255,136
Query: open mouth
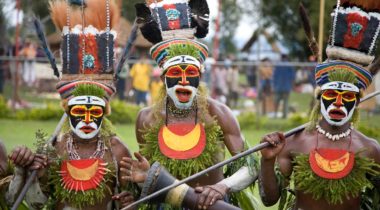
183,94
337,114
87,129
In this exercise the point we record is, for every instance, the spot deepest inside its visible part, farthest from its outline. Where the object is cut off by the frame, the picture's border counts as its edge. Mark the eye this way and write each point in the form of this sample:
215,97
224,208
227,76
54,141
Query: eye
174,71
78,111
330,94
96,112
192,71
349,96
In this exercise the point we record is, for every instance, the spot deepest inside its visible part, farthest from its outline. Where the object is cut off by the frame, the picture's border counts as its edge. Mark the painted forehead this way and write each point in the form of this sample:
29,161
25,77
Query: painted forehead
338,85
83,100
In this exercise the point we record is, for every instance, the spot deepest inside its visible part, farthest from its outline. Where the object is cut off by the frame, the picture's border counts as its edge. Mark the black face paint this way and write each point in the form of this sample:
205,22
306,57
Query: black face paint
348,104
80,114
171,82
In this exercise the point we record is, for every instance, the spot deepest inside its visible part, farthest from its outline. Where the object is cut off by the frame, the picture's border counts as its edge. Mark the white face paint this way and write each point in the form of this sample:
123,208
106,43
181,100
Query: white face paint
85,131
182,96
325,113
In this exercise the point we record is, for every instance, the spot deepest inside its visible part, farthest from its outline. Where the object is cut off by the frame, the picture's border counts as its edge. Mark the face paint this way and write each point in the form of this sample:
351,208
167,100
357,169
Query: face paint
337,107
86,120
182,83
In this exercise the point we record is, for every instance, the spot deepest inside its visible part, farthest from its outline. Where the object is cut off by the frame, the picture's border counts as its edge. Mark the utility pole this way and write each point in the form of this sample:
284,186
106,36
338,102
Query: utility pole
321,30
16,97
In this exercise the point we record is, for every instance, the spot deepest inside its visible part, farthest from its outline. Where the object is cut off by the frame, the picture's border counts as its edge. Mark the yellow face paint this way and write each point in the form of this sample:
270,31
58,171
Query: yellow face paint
88,113
347,96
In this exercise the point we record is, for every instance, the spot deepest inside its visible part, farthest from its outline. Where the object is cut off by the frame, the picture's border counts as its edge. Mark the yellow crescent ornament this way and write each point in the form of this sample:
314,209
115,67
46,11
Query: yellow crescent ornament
83,174
184,142
332,166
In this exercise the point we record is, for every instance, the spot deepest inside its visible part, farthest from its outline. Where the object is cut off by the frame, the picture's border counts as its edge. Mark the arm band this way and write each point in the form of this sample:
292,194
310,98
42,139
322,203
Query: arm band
240,180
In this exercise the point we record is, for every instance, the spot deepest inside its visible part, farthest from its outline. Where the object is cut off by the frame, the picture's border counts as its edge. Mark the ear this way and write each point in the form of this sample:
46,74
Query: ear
162,77
317,93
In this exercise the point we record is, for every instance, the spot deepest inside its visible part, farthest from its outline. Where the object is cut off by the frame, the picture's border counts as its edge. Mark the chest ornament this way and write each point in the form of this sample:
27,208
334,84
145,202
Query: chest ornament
331,163
182,140
82,175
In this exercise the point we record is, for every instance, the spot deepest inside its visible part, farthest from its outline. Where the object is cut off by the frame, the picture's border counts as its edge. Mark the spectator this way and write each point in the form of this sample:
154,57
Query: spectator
265,89
2,71
283,79
233,86
140,74
29,52
121,83
221,88
250,71
155,85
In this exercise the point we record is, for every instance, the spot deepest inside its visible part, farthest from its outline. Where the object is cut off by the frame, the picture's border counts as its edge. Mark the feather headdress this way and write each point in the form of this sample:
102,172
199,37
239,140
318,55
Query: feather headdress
174,22
354,35
87,44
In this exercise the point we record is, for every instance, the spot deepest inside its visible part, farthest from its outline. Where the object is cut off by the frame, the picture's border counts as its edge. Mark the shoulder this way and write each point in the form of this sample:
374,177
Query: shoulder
371,145
299,142
119,148
144,115
217,108
145,111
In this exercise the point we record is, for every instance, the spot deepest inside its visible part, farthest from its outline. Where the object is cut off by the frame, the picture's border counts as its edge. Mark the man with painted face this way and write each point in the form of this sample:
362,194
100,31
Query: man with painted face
82,172
331,162
185,130
80,169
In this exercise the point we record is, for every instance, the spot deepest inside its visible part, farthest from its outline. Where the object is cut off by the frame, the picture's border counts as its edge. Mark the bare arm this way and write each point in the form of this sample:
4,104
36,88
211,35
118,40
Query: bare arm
235,144
230,126
141,118
376,157
119,150
270,189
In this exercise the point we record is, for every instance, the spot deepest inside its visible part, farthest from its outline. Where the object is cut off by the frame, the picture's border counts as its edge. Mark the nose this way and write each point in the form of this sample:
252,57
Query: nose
338,102
183,80
87,118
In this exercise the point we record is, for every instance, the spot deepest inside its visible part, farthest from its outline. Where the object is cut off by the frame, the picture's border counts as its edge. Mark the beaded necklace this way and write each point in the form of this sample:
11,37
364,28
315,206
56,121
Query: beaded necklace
73,154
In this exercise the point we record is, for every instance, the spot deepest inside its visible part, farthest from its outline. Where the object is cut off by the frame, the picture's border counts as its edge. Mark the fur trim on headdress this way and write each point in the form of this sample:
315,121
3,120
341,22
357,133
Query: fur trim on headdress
334,52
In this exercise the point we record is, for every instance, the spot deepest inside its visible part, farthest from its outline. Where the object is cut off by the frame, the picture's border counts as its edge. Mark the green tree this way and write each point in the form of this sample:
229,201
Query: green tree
3,23
128,10
230,17
284,17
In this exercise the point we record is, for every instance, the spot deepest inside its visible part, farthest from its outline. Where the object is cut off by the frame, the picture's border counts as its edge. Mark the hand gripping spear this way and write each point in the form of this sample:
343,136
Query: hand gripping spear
223,163
33,175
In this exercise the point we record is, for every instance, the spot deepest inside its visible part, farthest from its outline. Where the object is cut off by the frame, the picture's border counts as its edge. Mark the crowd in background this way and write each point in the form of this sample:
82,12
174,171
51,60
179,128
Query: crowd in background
266,84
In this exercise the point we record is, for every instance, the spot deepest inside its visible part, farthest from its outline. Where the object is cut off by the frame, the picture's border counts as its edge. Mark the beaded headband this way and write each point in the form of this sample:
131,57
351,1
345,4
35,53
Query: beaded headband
159,52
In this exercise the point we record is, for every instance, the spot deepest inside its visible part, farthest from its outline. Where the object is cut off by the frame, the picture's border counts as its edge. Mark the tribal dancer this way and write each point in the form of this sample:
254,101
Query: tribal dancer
80,170
331,163
186,131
